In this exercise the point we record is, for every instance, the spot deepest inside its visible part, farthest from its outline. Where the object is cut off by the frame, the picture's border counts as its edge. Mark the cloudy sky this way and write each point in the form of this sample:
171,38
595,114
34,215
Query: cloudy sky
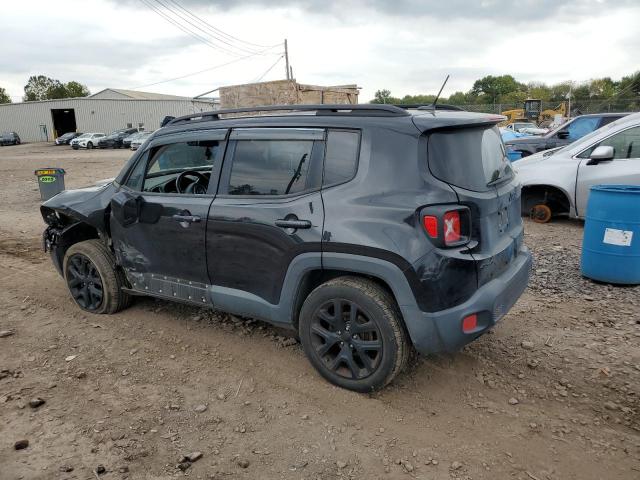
406,46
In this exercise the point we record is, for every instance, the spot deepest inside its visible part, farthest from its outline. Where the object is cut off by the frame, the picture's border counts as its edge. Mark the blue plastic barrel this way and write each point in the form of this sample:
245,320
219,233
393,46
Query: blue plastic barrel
514,155
611,242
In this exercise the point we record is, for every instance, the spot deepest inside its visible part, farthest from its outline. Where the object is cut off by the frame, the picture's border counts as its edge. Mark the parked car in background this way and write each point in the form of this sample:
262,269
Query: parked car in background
9,138
140,139
517,126
114,139
126,141
557,182
87,140
66,138
571,131
279,217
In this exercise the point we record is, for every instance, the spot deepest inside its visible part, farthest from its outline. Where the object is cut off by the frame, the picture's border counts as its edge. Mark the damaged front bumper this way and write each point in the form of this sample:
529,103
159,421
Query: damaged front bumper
50,240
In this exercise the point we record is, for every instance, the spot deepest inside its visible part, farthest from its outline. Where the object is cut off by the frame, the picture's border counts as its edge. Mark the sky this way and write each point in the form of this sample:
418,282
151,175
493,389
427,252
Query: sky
405,46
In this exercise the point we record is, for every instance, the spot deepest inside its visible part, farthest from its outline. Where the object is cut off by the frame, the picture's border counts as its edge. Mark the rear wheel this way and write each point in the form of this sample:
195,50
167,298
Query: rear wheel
89,145
93,279
352,332
541,213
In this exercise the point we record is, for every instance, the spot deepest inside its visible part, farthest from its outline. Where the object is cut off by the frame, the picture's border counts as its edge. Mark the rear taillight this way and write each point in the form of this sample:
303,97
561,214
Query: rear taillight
447,225
430,223
451,221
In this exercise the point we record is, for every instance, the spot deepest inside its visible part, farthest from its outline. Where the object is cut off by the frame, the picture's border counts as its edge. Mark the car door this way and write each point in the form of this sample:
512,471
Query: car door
623,169
159,216
268,211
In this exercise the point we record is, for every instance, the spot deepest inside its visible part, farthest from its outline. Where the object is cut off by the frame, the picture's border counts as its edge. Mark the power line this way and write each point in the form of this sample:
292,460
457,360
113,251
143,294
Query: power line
203,22
268,69
187,30
172,11
193,73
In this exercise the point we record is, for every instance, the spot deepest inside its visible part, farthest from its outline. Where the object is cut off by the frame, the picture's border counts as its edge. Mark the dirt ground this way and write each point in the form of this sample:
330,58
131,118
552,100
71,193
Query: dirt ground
552,393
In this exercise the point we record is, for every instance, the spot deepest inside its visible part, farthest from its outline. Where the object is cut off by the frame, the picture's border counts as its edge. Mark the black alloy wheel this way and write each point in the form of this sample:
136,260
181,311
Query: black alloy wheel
84,281
352,332
346,340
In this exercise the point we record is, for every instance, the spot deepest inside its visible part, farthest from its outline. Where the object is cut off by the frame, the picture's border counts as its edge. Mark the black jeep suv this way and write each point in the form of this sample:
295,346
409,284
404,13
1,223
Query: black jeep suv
368,230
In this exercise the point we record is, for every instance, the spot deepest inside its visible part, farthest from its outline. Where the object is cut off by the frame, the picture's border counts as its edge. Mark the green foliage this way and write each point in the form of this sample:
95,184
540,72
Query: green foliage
75,89
493,87
4,96
506,89
41,87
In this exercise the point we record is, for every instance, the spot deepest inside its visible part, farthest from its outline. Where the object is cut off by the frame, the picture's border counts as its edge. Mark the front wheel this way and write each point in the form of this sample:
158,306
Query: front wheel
93,279
352,332
89,146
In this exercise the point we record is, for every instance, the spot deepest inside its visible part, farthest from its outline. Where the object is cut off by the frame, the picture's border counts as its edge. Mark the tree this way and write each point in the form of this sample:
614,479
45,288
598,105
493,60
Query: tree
4,96
602,88
41,87
382,96
630,86
76,89
494,86
458,98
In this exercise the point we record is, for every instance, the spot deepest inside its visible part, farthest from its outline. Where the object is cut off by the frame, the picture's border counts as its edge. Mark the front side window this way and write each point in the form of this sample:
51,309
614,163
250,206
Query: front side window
626,144
270,167
167,162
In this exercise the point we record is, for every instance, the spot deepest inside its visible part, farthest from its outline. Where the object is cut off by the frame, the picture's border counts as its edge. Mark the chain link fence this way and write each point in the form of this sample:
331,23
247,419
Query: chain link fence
578,107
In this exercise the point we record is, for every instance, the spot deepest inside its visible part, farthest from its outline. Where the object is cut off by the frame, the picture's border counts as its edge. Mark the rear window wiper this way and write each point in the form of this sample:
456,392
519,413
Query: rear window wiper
497,177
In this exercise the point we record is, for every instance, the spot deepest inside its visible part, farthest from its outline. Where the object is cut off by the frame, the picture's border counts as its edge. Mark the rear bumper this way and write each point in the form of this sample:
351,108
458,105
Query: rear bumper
442,331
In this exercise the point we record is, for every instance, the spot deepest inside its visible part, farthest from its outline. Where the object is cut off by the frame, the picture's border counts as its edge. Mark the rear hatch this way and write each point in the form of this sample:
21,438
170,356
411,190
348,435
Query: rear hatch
472,160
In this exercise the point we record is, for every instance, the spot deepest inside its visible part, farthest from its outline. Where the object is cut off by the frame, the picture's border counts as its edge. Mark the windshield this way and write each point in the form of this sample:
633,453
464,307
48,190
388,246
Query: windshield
84,135
588,138
470,158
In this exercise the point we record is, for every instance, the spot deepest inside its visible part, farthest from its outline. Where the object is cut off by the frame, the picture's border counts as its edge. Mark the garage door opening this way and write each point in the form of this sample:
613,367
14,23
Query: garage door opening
64,121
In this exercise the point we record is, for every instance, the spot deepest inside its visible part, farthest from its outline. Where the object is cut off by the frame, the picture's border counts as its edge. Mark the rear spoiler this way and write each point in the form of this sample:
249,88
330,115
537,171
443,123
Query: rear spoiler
453,120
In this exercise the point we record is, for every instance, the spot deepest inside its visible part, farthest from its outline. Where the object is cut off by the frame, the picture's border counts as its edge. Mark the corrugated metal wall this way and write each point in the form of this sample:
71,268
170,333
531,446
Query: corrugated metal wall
92,115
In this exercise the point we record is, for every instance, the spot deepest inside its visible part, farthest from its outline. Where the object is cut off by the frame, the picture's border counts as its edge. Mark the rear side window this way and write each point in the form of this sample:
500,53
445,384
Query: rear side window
341,156
470,158
270,167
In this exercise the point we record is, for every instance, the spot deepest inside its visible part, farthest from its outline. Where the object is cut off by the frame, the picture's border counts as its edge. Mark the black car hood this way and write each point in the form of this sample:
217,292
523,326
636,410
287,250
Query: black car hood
83,204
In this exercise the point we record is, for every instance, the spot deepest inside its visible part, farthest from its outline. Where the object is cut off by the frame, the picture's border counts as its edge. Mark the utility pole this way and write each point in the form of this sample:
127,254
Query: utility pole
286,59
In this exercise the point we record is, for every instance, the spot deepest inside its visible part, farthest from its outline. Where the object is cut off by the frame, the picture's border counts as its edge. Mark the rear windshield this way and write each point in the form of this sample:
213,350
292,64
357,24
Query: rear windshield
470,158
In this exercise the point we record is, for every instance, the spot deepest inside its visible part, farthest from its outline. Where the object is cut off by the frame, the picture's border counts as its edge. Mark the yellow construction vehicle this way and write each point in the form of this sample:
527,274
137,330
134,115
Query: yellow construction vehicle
532,112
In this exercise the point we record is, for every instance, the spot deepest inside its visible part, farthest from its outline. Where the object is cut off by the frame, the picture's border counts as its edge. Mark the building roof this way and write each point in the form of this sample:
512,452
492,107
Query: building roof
119,93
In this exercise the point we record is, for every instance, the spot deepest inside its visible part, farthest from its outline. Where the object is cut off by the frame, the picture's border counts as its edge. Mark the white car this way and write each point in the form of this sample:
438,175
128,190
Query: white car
87,140
526,127
557,181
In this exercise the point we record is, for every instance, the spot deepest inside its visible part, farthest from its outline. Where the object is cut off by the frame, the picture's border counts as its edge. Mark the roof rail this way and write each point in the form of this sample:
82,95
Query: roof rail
429,106
366,110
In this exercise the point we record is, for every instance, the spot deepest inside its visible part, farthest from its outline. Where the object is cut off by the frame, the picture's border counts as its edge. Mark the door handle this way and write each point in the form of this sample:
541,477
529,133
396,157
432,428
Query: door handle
296,224
187,218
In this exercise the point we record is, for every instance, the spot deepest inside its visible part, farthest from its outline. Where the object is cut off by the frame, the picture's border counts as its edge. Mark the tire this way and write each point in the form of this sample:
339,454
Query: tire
340,347
89,146
541,213
91,262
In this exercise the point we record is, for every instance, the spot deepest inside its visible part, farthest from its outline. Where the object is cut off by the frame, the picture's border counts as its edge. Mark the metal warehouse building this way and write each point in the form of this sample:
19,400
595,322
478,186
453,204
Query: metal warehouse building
105,111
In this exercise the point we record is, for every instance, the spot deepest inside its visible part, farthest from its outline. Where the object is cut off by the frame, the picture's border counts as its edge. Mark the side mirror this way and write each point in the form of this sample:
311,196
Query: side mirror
601,154
563,134
125,209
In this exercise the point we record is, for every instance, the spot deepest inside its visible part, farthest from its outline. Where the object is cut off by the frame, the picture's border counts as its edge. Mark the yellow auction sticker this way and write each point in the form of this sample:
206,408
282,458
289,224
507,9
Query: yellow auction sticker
47,179
45,172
